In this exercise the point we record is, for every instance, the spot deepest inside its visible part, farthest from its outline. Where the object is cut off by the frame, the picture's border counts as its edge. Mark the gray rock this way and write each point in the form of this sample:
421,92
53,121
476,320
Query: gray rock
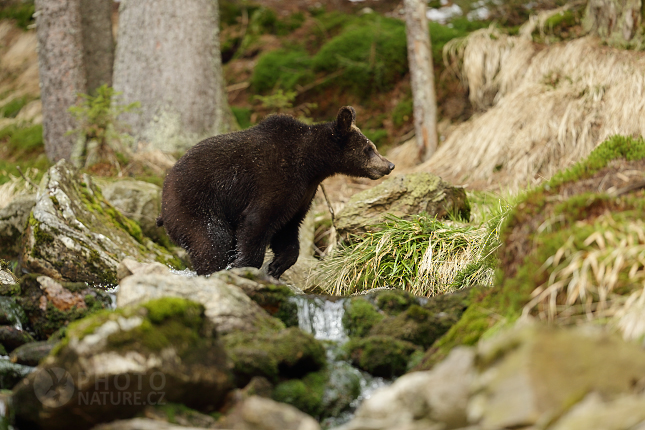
12,373
13,220
112,365
11,338
6,277
31,354
530,374
226,304
259,413
143,424
138,200
594,414
402,196
436,399
74,234
50,304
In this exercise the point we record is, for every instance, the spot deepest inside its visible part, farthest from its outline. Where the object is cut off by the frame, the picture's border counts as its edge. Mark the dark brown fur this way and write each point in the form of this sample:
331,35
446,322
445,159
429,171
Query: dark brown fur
231,196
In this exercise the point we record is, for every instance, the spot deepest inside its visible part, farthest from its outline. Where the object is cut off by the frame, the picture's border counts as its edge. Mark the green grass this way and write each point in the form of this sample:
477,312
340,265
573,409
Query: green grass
243,116
11,109
402,112
21,13
422,255
378,136
281,69
24,145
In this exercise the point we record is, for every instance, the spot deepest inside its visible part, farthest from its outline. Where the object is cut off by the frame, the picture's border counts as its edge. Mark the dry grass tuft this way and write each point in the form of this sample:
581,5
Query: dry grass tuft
15,186
603,278
542,109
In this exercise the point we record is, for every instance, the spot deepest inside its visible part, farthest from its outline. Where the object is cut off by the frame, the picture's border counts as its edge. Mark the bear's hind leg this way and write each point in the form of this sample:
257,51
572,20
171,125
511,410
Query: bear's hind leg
286,247
212,247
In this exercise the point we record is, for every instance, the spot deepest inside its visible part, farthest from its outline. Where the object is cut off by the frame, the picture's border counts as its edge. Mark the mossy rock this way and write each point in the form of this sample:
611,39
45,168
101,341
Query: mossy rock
562,214
74,234
50,304
402,196
275,300
381,355
289,353
360,316
306,394
393,302
163,345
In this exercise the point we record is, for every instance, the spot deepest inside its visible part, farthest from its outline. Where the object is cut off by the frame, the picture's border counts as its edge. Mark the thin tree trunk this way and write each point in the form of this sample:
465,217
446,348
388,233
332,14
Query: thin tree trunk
168,59
61,70
98,44
421,77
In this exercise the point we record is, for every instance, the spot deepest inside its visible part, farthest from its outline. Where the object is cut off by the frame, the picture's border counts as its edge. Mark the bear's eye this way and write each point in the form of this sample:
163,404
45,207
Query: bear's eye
368,150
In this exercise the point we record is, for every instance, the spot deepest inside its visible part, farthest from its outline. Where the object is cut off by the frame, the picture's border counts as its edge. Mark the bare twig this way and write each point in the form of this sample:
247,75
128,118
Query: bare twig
331,210
29,181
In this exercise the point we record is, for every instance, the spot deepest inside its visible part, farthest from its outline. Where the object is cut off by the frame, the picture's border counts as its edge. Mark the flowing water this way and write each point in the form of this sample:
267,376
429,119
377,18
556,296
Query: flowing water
348,386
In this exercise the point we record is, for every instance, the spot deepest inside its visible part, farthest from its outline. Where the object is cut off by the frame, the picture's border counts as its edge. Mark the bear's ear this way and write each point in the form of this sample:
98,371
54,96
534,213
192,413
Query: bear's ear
345,119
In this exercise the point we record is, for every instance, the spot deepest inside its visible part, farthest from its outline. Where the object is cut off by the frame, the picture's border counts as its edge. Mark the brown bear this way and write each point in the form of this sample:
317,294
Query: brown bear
232,195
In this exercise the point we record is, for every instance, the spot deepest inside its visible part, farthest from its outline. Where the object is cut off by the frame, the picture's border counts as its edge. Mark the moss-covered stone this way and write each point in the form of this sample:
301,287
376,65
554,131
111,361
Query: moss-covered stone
75,234
275,300
164,345
289,353
393,302
381,355
305,394
360,316
50,305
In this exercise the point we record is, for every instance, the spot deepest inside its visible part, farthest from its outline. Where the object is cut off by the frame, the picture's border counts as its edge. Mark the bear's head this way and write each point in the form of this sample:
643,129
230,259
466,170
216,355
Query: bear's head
360,157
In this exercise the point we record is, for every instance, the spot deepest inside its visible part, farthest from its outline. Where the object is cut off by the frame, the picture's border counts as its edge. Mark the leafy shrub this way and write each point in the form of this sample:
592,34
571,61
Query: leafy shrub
402,112
281,69
373,55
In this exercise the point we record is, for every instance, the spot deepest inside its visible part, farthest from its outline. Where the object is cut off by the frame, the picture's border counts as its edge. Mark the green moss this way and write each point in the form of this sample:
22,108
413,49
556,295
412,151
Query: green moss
360,316
275,299
380,355
615,147
281,69
393,302
305,394
289,353
372,53
187,312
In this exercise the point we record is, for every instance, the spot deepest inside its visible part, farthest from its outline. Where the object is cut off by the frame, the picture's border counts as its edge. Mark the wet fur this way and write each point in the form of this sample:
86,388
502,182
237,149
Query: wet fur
232,195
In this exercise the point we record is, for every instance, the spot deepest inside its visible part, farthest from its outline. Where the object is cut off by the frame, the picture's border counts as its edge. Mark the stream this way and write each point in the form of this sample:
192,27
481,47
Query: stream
348,386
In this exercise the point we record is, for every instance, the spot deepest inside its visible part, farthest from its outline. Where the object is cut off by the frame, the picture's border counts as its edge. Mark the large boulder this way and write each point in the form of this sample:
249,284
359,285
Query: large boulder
13,220
114,363
74,234
50,304
402,196
435,399
533,373
138,200
227,306
258,413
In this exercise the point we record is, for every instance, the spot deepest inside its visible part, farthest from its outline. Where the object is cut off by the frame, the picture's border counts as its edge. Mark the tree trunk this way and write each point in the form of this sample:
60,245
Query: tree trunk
615,21
421,77
98,44
168,59
61,70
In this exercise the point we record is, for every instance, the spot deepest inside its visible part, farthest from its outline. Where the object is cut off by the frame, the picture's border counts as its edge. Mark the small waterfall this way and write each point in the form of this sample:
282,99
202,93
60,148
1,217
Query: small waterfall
323,318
